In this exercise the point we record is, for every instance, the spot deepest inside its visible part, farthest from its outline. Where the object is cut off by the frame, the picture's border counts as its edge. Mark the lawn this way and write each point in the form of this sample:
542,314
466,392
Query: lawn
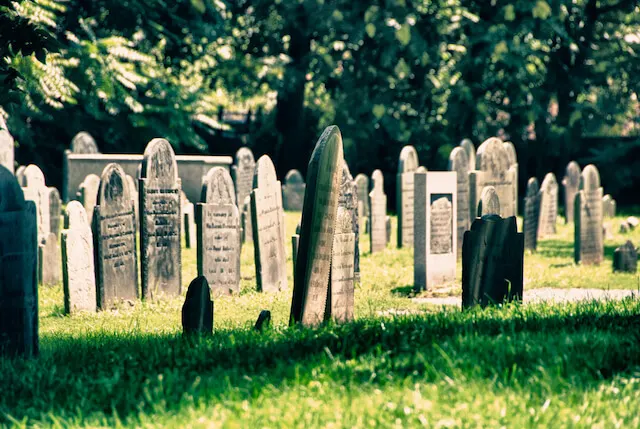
400,364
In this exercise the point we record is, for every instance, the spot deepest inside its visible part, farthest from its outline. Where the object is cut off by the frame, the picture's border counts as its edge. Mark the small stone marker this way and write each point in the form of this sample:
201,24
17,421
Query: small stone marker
49,267
114,234
459,163
435,238
342,268
293,191
625,258
548,206
531,214
218,223
407,166
267,215
492,262
36,190
571,185
18,270
362,183
263,322
83,142
312,270
78,271
197,310
470,150
247,230
55,209
608,207
589,240
378,214
489,202
7,146
160,219
88,193
348,200
242,173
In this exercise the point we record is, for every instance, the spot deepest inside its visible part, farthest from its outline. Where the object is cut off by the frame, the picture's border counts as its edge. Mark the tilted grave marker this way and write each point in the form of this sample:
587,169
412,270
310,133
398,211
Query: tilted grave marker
548,206
571,185
407,166
242,173
378,214
589,240
459,163
293,191
531,214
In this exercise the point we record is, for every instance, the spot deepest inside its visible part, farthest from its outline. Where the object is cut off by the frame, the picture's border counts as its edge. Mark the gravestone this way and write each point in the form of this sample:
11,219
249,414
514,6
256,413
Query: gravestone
407,166
470,150
389,228
135,197
160,219
377,214
571,185
114,235
293,191
242,173
55,209
362,184
625,258
531,214
512,156
7,147
589,240
36,190
20,174
342,268
311,292
489,202
435,240
78,271
267,215
18,270
218,238
492,262
263,322
459,163
88,193
197,310
188,222
548,206
247,230
493,168
49,263
83,142
608,207
348,200
295,243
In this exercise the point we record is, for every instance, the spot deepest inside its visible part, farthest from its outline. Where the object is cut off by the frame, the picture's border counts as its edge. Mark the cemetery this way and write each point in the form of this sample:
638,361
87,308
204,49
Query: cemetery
224,277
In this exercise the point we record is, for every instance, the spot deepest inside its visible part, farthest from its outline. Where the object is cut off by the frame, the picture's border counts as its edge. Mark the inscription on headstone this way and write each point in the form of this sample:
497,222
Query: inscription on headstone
589,240
242,172
293,191
571,184
378,214
459,163
407,166
531,214
348,200
342,268
548,206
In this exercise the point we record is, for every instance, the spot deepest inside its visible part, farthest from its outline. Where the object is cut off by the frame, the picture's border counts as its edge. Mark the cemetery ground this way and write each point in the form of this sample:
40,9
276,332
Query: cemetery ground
402,363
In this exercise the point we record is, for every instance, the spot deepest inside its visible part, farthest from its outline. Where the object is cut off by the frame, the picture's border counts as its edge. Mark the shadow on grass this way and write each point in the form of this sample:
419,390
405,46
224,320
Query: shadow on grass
553,248
404,291
107,374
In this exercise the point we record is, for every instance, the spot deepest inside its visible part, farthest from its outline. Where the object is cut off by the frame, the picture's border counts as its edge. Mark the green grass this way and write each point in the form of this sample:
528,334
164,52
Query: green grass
519,366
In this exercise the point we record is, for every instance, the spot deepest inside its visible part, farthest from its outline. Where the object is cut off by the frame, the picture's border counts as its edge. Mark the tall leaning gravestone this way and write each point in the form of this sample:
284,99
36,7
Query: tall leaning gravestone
267,215
160,221
18,270
311,281
114,235
407,165
589,240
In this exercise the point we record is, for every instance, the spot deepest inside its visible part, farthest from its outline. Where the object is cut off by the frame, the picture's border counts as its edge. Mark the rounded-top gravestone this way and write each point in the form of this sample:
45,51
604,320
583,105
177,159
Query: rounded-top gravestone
571,184
293,191
83,142
408,161
219,187
459,163
489,202
470,150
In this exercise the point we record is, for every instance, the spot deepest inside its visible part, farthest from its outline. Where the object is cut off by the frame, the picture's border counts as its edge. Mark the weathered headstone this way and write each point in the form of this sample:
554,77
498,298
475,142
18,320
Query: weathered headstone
36,190
407,166
362,183
263,322
83,142
492,262
247,230
49,267
489,202
589,240
293,191
18,270
88,193
78,271
242,173
348,200
608,207
267,215
218,223
342,268
7,146
435,240
55,209
309,305
625,258
571,184
493,168
378,214
114,235
470,150
531,214
548,206
160,219
459,163
197,310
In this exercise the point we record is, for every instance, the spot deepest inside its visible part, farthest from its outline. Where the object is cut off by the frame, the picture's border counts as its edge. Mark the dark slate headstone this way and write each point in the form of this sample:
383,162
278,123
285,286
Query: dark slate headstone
83,142
160,221
114,235
492,262
197,310
625,259
571,185
342,277
49,261
348,200
267,215
264,321
589,237
78,270
242,172
55,209
362,183
7,147
548,206
378,214
36,190
18,270
489,202
407,165
459,163
311,281
293,191
531,214
218,223
470,150
88,193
